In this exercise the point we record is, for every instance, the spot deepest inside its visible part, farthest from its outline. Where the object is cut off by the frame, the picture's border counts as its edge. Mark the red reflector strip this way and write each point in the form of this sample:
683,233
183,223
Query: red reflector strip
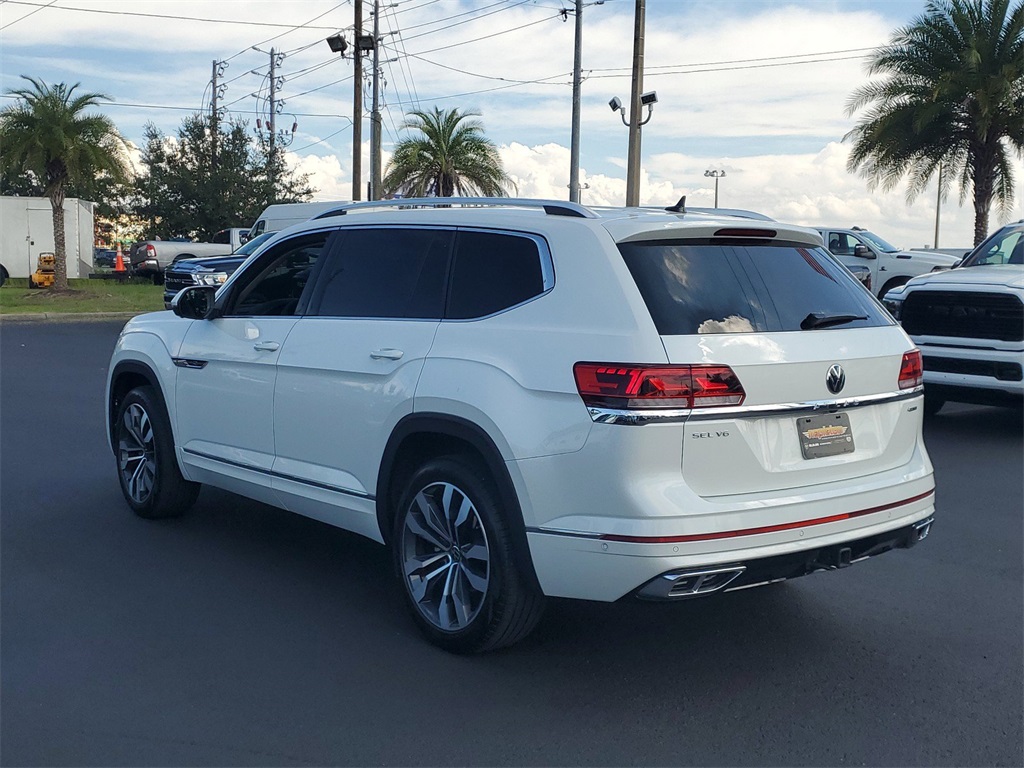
766,528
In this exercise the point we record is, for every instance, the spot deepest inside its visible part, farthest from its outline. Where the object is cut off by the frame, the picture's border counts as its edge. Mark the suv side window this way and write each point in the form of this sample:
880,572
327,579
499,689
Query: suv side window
278,278
493,271
222,238
385,272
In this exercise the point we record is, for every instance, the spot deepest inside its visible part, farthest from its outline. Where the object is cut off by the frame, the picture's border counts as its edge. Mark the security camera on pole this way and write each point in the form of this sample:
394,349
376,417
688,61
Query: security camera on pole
638,100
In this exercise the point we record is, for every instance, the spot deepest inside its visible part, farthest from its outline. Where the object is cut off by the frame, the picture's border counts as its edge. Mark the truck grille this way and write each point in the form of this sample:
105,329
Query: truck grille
996,370
965,315
176,281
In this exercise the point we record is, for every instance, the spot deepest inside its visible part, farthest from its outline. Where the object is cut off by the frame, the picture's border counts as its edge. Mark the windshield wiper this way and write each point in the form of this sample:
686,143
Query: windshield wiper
813,321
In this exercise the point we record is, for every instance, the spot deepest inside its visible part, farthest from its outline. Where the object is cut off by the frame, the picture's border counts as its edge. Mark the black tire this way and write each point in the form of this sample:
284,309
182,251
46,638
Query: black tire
894,283
932,404
4,277
471,619
147,468
158,278
31,283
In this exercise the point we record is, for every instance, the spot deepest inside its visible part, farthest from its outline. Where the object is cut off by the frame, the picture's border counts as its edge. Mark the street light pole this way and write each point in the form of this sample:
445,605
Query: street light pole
375,172
357,107
633,156
574,144
716,175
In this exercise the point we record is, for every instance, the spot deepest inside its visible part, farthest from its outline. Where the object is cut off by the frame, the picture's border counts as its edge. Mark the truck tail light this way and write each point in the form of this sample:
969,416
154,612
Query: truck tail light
150,252
627,386
911,370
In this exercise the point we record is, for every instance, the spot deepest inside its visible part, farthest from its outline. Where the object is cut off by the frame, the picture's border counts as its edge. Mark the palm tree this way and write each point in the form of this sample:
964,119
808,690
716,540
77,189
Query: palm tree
451,155
46,133
951,96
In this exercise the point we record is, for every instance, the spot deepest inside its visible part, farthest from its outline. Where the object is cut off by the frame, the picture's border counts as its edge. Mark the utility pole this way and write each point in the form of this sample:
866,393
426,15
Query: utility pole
938,207
272,122
214,130
633,158
574,144
375,172
357,108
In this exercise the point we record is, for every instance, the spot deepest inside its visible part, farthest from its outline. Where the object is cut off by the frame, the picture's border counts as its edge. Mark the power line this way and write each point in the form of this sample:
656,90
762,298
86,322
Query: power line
736,61
733,69
239,22
321,141
30,13
305,25
488,37
174,107
503,3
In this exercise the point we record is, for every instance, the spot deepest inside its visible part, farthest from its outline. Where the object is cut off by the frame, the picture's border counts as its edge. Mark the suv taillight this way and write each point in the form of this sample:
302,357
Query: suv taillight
626,386
911,370
150,252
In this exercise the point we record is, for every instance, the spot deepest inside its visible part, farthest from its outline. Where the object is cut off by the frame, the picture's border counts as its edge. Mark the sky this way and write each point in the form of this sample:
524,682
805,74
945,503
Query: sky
755,88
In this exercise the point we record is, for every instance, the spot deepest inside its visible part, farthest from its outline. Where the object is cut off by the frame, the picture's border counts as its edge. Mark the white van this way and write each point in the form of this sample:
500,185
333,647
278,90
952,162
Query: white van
283,215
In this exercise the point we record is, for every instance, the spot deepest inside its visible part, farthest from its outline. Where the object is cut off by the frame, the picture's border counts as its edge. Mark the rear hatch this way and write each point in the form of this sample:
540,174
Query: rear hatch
821,373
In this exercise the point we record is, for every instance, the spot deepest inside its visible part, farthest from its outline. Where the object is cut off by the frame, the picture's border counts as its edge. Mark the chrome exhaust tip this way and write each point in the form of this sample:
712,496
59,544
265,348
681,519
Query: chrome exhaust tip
921,530
690,583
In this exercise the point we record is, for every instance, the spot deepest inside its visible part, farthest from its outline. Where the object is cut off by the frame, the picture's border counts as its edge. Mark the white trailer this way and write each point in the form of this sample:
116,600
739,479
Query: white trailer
26,230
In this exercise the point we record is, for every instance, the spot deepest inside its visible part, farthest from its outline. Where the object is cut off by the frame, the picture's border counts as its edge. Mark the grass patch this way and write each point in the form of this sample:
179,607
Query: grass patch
85,296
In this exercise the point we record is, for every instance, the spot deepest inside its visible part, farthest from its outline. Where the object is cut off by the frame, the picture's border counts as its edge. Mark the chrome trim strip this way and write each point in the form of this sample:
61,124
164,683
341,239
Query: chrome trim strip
280,475
680,415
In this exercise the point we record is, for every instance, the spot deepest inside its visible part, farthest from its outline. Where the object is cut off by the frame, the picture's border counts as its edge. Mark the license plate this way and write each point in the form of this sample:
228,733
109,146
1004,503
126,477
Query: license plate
829,434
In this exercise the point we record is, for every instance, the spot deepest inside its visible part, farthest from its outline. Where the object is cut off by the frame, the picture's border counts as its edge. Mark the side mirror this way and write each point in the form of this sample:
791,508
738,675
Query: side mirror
194,302
861,251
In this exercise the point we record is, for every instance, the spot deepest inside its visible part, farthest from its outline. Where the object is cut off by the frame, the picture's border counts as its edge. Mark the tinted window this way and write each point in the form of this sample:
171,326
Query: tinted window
279,278
386,273
697,288
224,236
1004,248
492,272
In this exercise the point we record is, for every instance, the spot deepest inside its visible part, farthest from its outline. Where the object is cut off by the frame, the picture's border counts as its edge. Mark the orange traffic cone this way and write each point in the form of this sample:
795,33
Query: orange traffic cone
119,263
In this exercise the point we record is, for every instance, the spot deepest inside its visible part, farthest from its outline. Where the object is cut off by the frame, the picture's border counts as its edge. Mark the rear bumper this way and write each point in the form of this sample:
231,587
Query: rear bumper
595,567
696,582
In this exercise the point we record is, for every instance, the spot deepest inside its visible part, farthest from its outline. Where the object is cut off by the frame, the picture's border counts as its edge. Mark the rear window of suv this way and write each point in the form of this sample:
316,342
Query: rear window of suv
699,287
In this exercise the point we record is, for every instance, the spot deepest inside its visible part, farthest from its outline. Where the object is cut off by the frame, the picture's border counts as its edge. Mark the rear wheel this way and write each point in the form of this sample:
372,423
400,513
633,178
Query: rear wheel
453,553
146,466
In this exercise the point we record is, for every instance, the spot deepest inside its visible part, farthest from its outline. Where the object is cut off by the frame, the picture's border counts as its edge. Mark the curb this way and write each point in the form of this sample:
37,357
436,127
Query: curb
66,317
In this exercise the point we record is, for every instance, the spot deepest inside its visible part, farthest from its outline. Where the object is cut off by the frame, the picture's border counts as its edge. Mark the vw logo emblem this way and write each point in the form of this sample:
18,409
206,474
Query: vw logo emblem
835,379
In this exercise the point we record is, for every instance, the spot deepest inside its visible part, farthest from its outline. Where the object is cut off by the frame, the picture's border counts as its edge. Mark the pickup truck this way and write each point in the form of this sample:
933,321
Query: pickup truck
890,267
149,258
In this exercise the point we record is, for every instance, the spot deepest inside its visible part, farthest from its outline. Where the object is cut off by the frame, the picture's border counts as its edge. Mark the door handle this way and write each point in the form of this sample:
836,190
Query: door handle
266,346
387,354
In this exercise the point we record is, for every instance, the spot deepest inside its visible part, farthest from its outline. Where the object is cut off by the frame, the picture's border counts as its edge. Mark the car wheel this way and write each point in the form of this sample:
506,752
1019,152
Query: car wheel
932,404
146,466
4,277
453,553
31,283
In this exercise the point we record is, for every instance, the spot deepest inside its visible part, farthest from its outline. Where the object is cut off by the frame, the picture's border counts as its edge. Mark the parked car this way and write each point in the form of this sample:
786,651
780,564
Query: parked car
969,324
528,398
104,257
149,258
889,265
214,270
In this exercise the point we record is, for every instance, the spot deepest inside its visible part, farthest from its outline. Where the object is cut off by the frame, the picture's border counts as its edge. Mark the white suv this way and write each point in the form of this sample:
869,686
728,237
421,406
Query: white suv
527,398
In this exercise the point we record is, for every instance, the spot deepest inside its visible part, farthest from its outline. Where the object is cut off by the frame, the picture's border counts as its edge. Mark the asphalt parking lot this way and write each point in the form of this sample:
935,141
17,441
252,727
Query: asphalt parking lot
243,635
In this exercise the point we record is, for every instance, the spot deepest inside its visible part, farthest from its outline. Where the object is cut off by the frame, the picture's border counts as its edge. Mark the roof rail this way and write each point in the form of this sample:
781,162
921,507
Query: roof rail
551,207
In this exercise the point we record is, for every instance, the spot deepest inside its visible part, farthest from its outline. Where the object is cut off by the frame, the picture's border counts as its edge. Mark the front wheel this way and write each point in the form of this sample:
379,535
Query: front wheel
454,555
147,469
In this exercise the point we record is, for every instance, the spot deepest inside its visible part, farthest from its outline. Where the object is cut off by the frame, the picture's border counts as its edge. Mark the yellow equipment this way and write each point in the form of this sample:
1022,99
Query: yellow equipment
44,275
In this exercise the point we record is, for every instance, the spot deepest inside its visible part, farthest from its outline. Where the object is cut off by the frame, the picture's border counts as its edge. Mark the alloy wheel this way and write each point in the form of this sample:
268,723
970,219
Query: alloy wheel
445,556
137,453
